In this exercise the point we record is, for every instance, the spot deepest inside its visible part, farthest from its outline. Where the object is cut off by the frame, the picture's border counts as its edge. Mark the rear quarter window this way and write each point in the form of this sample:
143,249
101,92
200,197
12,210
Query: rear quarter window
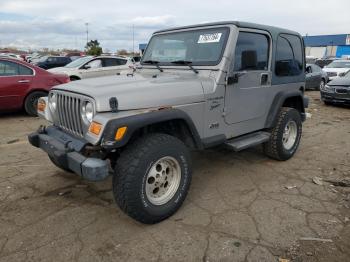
289,56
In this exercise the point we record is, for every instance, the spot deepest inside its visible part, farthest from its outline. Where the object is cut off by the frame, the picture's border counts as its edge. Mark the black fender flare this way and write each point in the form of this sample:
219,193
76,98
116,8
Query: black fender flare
277,104
135,122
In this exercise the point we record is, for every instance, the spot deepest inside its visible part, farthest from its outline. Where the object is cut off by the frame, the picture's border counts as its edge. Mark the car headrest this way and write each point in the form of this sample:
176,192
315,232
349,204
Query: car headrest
249,60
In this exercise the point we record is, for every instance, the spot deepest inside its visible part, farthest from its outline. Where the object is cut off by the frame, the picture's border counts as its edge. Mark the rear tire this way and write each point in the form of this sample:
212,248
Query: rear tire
152,178
31,102
285,136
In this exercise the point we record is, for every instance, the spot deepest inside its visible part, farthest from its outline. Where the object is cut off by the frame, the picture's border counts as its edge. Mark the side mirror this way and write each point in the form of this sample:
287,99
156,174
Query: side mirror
233,77
87,66
308,70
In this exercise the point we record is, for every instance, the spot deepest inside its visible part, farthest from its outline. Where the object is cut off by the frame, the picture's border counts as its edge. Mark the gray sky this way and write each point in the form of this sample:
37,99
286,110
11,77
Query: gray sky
61,23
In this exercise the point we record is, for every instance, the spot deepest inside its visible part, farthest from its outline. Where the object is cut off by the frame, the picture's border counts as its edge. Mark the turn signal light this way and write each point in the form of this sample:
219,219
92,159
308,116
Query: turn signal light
95,128
120,133
41,105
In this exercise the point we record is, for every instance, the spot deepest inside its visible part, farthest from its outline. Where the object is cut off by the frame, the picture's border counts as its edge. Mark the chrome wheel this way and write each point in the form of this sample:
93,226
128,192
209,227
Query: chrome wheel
163,180
290,135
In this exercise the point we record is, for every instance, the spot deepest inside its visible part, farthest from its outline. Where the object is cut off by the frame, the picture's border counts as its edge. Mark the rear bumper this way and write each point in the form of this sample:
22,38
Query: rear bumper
335,97
66,151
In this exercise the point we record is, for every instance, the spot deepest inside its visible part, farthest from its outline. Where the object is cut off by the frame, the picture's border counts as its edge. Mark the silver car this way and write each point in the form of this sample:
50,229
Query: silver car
229,83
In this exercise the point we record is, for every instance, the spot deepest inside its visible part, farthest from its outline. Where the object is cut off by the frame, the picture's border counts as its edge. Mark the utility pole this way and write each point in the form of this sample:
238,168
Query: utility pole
87,32
133,39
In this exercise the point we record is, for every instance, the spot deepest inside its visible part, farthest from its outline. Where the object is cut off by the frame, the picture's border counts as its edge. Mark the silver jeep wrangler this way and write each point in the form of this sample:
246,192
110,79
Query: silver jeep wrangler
232,83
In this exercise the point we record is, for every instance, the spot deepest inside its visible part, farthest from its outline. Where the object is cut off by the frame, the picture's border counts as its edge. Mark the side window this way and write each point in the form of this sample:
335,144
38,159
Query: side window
315,68
95,63
50,60
122,61
8,68
25,71
289,56
110,62
252,52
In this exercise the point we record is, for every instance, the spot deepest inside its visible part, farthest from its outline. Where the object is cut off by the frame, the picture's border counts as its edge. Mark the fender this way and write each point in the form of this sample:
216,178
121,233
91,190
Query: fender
138,121
278,101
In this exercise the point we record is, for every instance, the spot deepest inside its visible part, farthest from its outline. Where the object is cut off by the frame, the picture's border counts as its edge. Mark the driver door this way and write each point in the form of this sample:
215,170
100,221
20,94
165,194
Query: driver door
92,69
249,83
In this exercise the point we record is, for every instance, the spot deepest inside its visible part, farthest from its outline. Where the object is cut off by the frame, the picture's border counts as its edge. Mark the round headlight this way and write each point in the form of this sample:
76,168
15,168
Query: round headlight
88,111
53,102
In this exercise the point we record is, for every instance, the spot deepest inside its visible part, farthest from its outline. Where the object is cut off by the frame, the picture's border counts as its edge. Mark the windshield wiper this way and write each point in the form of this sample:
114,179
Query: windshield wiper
153,62
184,62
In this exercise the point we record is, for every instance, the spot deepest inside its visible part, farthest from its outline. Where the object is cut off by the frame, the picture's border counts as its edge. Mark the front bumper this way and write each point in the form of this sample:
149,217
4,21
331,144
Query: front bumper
66,151
335,97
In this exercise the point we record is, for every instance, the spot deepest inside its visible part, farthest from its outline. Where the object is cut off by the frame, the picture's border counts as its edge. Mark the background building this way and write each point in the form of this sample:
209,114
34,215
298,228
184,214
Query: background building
327,45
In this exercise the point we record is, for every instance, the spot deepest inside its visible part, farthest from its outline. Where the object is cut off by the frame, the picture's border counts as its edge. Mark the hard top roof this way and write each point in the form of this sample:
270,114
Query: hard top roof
271,29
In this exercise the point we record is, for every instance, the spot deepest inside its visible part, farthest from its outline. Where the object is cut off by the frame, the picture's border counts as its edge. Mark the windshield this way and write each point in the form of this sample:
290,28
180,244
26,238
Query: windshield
199,47
78,62
339,64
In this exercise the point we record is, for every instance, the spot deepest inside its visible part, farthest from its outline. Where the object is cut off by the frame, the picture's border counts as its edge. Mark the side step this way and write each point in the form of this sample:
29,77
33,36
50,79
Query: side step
245,141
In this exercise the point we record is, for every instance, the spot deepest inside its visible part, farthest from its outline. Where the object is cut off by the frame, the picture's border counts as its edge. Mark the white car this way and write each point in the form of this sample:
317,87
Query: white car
337,68
89,67
10,55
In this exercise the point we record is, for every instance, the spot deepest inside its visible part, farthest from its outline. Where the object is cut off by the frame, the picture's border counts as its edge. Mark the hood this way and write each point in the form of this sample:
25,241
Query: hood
336,70
340,81
141,90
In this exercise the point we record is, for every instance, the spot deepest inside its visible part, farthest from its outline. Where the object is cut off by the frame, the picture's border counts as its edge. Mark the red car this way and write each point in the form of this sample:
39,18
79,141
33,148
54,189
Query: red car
21,85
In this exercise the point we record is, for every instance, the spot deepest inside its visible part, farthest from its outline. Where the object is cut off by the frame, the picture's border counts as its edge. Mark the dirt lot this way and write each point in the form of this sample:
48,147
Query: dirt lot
241,206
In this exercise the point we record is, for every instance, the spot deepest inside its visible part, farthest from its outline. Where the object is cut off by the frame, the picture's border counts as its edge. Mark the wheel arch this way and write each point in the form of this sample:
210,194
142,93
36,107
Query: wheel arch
31,92
169,121
74,77
293,99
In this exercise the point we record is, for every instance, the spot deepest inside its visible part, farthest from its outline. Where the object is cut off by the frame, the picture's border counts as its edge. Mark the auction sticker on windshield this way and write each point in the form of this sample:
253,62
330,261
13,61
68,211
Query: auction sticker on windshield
209,38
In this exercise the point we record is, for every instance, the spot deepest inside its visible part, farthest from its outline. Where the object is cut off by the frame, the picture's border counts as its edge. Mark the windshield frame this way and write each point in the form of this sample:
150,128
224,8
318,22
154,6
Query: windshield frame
202,63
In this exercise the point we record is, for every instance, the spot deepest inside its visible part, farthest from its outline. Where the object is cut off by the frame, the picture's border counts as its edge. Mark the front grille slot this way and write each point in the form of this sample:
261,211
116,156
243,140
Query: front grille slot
68,115
341,91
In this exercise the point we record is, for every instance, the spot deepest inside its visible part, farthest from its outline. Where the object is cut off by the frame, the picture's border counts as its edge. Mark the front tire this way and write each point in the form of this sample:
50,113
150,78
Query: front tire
31,102
152,178
285,136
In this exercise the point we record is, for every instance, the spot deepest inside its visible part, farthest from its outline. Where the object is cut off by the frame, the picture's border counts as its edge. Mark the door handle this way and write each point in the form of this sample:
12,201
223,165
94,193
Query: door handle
264,79
23,81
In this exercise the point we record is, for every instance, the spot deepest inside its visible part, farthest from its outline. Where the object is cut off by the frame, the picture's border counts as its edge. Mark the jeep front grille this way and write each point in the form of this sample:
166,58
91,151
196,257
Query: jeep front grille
68,113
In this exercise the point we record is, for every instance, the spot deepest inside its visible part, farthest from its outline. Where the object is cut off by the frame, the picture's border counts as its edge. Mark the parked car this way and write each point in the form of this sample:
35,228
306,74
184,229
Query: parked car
325,61
21,85
88,67
10,55
310,59
337,91
316,78
48,62
199,86
337,68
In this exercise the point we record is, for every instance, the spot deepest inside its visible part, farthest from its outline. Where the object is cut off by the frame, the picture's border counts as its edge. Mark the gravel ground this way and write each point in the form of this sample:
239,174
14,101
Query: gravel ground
241,206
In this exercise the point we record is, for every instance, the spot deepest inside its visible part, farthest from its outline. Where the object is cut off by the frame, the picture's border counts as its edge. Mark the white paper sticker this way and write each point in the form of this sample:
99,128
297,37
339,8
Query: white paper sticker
209,38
